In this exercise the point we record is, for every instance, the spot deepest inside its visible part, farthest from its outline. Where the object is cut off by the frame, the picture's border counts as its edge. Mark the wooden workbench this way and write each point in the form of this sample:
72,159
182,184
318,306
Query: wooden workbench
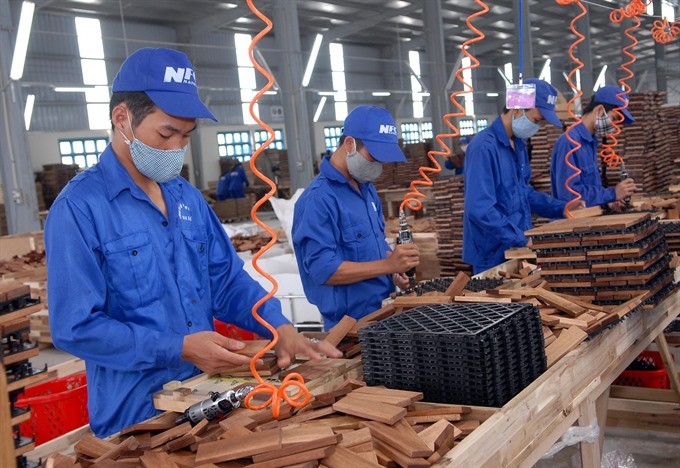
573,390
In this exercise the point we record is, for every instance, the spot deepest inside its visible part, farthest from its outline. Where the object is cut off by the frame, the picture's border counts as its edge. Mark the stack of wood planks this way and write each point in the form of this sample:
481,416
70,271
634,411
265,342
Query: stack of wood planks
449,207
250,243
345,424
16,306
30,270
542,145
54,178
400,175
608,259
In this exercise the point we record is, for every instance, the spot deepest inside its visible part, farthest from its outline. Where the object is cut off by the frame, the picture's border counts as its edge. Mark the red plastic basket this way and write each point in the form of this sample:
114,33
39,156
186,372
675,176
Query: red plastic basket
231,331
57,407
657,378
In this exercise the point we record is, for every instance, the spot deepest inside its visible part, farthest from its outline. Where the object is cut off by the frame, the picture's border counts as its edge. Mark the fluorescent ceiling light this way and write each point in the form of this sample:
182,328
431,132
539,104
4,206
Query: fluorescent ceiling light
72,89
21,44
381,93
492,94
270,93
306,78
317,114
28,110
326,93
599,83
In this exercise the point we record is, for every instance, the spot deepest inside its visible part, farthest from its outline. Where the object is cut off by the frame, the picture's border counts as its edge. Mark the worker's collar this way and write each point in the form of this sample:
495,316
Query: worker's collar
502,136
329,171
117,178
583,134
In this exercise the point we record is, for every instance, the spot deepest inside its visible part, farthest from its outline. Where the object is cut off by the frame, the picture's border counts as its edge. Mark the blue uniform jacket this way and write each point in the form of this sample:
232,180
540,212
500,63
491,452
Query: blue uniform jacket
589,182
126,284
333,223
231,183
498,198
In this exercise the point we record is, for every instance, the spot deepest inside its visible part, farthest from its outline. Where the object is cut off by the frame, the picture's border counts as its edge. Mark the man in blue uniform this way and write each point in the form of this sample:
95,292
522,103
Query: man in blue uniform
596,124
498,198
138,264
232,182
346,266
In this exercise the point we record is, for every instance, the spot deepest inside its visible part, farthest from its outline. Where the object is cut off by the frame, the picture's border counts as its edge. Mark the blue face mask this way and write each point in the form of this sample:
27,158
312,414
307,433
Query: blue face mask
159,165
523,127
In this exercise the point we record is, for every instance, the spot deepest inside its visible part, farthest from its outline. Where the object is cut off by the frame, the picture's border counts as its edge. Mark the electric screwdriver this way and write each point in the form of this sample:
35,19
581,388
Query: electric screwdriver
215,407
405,237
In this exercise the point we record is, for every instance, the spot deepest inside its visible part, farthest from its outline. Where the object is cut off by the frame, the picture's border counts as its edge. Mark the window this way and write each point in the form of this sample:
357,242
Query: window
467,77
91,49
426,131
507,71
416,86
234,145
83,152
410,132
482,124
667,10
331,137
263,135
246,77
338,77
467,127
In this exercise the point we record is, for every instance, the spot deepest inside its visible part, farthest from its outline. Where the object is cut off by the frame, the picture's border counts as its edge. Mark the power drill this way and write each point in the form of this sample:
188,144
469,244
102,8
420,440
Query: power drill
215,407
624,176
405,237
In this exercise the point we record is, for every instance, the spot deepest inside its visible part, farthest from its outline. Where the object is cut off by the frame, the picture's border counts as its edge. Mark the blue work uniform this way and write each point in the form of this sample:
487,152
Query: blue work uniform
334,223
126,285
589,182
231,183
498,198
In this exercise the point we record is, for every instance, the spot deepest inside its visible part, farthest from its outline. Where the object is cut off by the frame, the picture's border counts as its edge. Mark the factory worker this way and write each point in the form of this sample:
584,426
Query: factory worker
596,124
498,197
346,265
138,264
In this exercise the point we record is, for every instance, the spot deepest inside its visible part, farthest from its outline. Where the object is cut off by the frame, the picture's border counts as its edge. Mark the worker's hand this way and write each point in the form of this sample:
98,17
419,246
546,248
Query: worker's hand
404,257
212,352
625,189
291,343
401,280
616,205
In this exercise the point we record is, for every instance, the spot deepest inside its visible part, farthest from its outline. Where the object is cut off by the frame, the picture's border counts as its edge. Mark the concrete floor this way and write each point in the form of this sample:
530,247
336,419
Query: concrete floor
646,449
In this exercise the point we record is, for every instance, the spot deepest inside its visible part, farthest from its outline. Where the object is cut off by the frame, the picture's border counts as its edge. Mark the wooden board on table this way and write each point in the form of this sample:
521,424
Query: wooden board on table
618,221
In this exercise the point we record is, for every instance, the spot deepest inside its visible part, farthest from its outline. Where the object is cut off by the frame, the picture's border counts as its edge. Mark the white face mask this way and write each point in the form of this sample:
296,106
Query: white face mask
361,169
156,164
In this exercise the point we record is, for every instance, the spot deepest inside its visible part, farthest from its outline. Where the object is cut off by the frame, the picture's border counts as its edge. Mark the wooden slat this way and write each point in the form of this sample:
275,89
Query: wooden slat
381,412
340,330
568,340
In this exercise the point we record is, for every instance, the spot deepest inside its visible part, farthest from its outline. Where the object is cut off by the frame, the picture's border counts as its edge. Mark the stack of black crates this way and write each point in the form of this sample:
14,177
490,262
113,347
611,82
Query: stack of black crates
470,354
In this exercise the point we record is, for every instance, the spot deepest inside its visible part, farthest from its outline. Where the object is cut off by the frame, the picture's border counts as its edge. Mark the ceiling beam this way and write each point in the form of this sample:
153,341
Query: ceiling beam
369,21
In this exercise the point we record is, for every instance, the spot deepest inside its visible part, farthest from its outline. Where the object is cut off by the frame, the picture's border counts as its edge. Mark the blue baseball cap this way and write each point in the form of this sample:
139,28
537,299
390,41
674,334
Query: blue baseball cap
167,77
610,95
546,98
375,127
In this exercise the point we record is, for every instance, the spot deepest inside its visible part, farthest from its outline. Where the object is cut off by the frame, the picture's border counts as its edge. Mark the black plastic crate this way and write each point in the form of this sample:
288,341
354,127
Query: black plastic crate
478,354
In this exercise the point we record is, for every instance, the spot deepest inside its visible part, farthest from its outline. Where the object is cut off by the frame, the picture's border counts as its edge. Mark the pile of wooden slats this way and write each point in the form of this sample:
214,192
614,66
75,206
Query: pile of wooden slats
449,207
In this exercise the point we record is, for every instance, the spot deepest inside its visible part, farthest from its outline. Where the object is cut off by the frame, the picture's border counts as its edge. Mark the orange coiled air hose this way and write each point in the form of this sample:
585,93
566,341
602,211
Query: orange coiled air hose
276,394
632,10
412,199
577,96
663,32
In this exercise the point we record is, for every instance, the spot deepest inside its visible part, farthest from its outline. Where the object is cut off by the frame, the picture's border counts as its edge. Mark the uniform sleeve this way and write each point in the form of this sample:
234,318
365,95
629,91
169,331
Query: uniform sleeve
242,172
234,291
77,295
314,239
545,205
592,194
481,203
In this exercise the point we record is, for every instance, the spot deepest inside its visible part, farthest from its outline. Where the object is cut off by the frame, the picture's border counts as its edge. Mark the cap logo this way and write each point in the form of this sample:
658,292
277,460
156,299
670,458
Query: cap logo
389,129
552,99
179,75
